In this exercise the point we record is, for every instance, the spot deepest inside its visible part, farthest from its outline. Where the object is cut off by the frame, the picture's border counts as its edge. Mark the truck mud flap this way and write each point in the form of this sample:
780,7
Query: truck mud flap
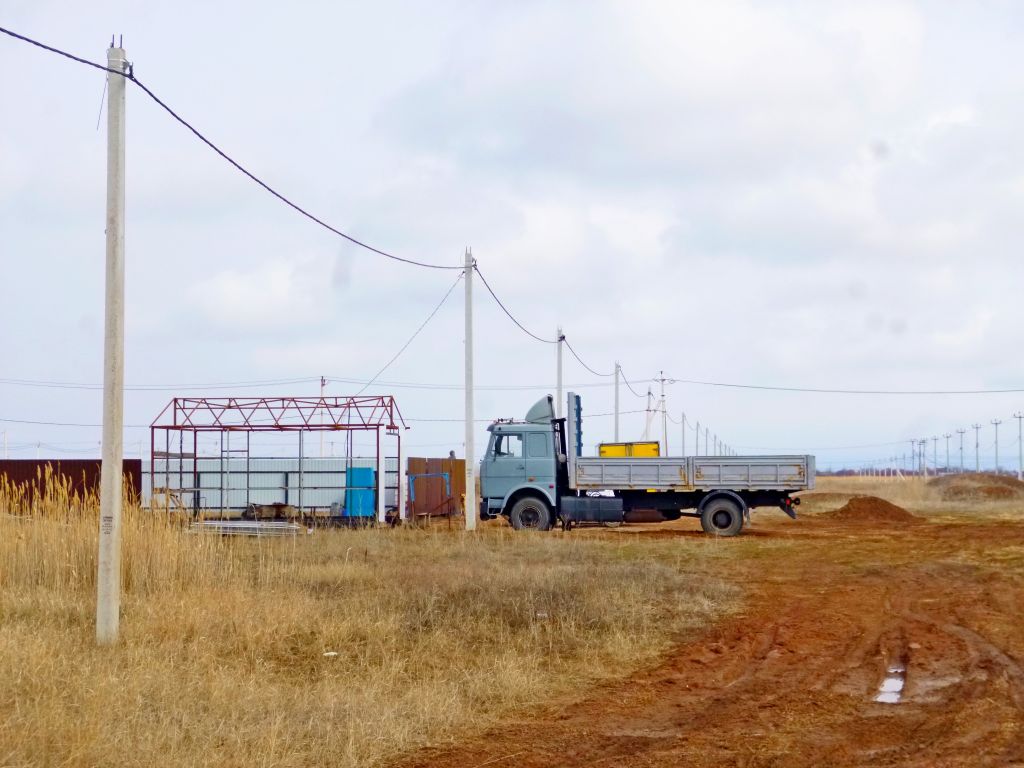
589,509
789,506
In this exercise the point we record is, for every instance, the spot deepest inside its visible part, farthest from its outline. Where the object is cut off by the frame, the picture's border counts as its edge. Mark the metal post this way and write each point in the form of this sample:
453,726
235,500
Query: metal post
470,496
618,373
400,497
558,373
961,433
1020,447
996,423
302,457
108,578
382,516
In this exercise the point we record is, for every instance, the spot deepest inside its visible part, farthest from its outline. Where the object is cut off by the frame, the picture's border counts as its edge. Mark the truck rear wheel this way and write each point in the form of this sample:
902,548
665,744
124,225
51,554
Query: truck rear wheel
530,514
722,517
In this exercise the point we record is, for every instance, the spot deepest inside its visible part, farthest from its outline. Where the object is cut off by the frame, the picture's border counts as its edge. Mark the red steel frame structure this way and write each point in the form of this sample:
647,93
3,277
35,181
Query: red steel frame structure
193,415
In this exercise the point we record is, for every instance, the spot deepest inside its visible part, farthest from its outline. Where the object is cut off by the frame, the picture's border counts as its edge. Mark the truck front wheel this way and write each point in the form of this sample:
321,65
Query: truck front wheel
530,513
722,517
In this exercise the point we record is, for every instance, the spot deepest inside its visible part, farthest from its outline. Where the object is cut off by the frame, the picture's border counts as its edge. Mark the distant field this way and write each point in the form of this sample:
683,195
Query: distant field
227,650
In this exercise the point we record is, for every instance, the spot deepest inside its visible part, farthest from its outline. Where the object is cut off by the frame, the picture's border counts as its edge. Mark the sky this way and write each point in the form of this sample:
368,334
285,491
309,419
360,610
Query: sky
795,194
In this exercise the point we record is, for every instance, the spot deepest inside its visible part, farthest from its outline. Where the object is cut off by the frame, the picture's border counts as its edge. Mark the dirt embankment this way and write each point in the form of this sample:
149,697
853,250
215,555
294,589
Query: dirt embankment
870,509
978,487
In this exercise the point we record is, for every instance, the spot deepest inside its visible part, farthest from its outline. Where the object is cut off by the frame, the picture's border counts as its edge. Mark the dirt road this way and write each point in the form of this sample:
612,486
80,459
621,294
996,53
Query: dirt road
832,608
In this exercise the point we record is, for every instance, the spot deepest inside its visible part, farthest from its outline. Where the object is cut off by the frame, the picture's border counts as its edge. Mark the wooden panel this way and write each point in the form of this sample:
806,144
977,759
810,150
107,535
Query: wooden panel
431,498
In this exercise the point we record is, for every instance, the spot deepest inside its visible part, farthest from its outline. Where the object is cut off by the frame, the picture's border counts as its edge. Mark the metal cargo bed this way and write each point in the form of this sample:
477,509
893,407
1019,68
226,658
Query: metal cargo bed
693,473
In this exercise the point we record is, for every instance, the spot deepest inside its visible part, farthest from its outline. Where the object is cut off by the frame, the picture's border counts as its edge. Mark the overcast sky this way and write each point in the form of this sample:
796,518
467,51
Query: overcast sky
804,194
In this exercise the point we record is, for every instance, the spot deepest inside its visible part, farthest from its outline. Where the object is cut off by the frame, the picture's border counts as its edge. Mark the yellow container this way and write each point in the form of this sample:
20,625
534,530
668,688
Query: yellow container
647,449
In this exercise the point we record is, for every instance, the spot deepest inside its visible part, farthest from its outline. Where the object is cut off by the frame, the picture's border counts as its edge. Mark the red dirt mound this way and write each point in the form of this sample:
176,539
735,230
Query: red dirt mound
870,509
974,487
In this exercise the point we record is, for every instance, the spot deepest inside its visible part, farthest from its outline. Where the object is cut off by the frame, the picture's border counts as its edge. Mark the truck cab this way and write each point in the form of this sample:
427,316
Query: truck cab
519,471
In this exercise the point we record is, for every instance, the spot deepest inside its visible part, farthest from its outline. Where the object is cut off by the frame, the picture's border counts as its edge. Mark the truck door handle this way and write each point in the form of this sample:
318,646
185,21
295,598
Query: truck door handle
520,466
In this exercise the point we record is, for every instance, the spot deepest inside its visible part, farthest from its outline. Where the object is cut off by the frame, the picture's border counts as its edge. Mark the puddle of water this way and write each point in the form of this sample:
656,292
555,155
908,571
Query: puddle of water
891,689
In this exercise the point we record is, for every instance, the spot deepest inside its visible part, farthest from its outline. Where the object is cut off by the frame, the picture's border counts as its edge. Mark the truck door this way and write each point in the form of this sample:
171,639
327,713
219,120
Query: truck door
540,460
506,464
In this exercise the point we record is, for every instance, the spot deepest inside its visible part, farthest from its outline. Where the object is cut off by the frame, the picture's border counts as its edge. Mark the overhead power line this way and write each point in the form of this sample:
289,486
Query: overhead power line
580,360
827,391
511,317
130,76
414,335
46,384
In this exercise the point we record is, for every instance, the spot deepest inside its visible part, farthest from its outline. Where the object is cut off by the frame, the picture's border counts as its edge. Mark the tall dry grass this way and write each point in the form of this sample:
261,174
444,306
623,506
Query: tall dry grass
226,655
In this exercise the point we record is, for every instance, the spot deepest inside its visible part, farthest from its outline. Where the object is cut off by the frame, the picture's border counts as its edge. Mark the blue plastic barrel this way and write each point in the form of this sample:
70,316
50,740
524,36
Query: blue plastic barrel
361,492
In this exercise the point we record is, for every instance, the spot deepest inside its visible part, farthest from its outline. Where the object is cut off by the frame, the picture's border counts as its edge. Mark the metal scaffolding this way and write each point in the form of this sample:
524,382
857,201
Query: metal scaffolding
178,426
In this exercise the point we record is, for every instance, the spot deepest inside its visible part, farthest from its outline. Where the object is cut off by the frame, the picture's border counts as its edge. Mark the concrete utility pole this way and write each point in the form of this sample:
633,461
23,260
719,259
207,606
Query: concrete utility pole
618,374
470,503
108,577
924,456
935,454
961,433
696,440
682,432
558,375
997,422
947,435
1020,447
707,432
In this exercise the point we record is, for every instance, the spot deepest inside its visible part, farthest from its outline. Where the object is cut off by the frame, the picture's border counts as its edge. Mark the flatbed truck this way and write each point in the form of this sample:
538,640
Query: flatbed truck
534,474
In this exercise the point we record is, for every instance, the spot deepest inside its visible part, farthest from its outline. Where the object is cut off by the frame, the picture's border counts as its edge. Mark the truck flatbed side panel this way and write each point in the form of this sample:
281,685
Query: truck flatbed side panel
698,473
751,472
632,472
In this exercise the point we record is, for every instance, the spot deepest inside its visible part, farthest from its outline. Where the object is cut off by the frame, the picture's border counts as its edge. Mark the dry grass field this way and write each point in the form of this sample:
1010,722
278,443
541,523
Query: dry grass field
227,646
645,645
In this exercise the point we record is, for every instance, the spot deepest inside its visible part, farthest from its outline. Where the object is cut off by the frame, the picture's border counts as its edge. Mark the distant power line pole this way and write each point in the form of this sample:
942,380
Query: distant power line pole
961,433
682,431
618,374
947,435
977,461
696,439
707,433
1020,447
108,577
924,456
935,453
996,423
558,373
664,416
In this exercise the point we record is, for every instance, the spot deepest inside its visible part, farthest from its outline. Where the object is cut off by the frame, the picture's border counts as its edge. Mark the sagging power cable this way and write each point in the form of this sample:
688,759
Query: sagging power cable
130,76
414,335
